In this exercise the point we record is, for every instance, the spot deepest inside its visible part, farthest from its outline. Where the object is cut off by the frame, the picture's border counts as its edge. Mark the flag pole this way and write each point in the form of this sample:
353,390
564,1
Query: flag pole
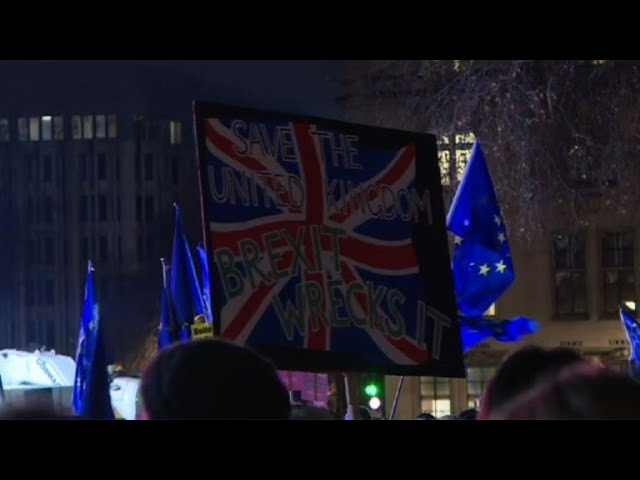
164,272
396,398
352,397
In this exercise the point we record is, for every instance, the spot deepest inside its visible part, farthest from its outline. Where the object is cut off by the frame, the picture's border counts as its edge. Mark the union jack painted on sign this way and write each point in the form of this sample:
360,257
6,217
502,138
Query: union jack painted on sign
312,227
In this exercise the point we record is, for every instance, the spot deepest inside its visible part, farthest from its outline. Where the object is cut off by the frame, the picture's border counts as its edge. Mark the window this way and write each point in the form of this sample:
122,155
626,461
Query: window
435,396
58,128
83,209
102,208
30,211
101,126
91,171
92,208
4,129
84,251
152,130
46,127
82,167
30,251
30,292
617,269
148,208
46,168
175,133
47,251
23,130
102,166
140,245
491,311
36,168
112,126
47,214
138,168
116,166
87,127
477,380
138,208
453,154
148,167
76,127
175,172
151,245
34,129
103,248
48,291
569,271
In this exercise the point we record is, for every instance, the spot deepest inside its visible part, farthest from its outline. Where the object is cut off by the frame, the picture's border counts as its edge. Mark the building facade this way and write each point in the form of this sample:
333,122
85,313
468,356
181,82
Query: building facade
93,154
571,281
76,187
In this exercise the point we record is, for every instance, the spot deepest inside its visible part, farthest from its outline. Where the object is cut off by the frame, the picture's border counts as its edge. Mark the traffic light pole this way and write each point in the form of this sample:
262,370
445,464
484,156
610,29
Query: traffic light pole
395,400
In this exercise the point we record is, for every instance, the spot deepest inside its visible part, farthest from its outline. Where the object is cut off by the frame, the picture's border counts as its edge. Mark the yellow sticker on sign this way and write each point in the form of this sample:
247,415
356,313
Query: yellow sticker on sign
202,330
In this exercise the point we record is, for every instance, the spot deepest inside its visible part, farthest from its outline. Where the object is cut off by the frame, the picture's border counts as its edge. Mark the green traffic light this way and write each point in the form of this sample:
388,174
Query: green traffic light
371,390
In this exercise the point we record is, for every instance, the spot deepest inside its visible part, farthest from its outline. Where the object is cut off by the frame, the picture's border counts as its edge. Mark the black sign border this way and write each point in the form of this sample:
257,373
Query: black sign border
451,363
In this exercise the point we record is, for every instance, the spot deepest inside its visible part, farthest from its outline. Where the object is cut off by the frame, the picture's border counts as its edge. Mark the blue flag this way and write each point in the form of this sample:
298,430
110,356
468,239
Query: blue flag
482,267
478,329
206,288
186,296
91,397
632,329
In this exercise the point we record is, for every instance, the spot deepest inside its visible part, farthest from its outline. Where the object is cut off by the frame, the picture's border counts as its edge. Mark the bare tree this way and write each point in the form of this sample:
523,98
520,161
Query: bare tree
557,134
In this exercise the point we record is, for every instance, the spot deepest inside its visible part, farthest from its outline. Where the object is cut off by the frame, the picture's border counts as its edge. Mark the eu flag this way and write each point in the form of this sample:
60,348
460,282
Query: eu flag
91,397
632,329
206,288
186,296
477,329
482,268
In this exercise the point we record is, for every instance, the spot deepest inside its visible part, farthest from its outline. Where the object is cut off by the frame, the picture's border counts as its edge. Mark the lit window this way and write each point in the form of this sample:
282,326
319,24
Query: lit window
76,127
4,130
46,127
435,396
477,380
462,138
87,127
453,156
34,129
58,128
444,158
101,126
175,133
491,311
112,126
23,130
462,157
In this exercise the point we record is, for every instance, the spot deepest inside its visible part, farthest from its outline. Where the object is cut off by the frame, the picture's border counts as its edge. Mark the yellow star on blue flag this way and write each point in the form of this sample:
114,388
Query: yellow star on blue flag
482,267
